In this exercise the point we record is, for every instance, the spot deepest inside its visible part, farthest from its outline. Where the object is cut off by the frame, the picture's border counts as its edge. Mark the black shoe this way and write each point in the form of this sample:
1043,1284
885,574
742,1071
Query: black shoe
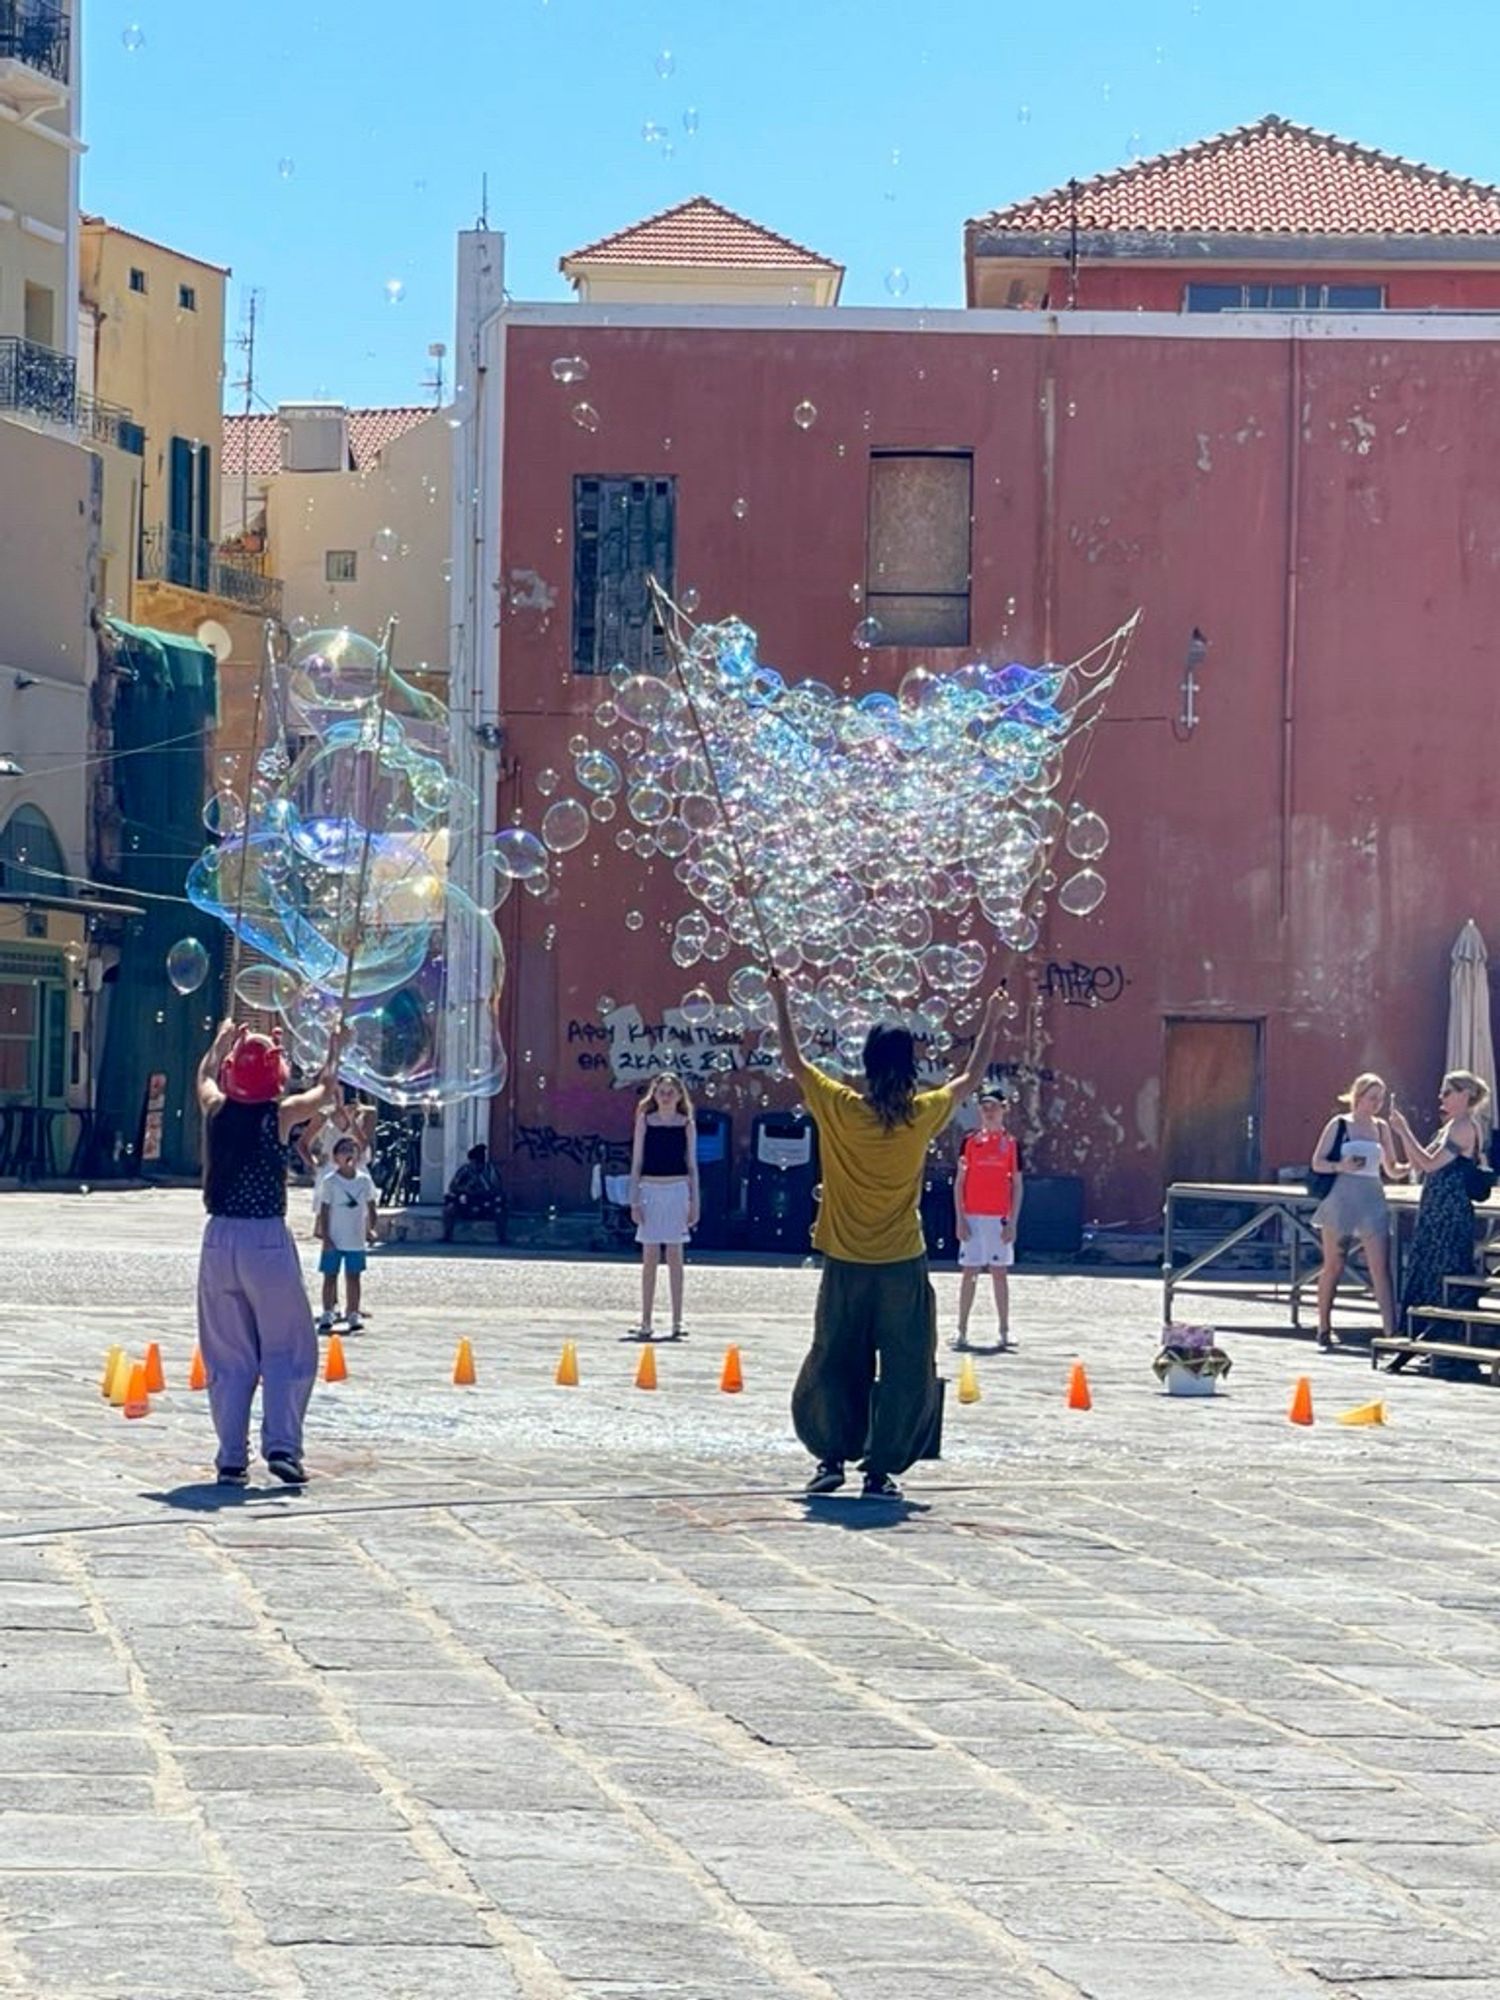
828,1476
290,1471
232,1475
880,1486
1328,1339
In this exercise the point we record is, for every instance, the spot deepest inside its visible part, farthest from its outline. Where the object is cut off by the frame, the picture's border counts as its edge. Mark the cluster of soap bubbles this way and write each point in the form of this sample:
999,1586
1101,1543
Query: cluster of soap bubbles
881,845
332,869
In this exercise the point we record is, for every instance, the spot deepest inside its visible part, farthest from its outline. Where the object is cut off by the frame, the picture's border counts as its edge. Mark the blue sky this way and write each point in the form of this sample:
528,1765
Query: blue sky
327,150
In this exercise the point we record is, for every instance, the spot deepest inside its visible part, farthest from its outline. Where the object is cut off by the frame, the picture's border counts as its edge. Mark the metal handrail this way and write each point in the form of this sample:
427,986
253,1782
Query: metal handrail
37,34
170,555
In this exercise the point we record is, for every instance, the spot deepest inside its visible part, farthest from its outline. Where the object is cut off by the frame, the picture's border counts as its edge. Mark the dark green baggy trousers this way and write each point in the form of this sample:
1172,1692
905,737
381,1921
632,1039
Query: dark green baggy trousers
868,1388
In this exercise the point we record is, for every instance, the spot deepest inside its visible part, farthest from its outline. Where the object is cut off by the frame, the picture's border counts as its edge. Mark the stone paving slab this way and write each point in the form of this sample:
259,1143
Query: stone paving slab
541,1692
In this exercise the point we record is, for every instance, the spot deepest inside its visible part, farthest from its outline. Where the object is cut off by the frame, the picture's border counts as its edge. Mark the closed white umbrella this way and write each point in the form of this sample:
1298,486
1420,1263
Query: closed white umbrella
1471,1044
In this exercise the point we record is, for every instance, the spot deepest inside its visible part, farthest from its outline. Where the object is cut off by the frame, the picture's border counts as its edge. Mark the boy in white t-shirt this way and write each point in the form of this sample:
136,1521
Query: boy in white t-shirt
346,1223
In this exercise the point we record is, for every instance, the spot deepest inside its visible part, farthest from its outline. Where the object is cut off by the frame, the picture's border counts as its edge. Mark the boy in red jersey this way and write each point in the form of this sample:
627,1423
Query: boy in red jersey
987,1200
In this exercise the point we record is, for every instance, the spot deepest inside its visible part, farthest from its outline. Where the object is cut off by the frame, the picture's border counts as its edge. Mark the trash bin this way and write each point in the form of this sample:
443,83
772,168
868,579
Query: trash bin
1051,1216
783,1175
715,1158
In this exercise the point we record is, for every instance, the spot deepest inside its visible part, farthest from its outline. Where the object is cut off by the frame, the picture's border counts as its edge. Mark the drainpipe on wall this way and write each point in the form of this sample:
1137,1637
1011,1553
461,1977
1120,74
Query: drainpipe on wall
1289,618
474,605
1049,486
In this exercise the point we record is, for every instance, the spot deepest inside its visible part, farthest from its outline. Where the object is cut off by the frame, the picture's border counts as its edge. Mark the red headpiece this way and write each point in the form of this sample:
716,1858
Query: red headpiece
255,1071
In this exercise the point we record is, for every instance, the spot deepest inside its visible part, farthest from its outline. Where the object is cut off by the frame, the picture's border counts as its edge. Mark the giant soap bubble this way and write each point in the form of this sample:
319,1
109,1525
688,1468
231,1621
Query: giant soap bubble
334,873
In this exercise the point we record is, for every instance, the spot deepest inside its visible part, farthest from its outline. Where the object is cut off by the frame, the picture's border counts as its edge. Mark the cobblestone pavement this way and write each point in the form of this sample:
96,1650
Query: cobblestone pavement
542,1691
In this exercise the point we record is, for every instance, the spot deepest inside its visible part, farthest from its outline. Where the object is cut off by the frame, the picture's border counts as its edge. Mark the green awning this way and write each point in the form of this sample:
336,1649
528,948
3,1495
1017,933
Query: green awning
167,660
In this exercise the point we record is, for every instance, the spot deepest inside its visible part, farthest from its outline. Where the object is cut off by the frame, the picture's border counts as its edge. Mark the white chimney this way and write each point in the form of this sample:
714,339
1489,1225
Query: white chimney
314,437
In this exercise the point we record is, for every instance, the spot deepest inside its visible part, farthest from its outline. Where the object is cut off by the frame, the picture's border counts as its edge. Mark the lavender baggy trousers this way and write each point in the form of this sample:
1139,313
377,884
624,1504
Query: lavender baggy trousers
254,1324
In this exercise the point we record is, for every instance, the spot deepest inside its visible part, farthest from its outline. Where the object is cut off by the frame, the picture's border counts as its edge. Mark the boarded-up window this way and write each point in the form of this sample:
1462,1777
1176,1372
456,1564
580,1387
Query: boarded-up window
917,586
624,531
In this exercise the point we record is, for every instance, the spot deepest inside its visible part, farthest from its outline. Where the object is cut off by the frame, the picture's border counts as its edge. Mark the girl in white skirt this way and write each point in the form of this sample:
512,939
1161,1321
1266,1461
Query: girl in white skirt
663,1192
1356,1148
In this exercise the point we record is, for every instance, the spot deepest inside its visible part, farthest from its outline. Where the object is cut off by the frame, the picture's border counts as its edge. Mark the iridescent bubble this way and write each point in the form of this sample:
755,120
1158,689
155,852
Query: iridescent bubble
133,39
265,989
187,965
1087,835
224,813
586,417
395,291
697,1007
653,133
597,772
1023,114
666,64
805,415
565,825
570,368
690,121
286,168
740,508
547,781
867,633
1081,893
386,542
519,854
689,600
897,283
634,920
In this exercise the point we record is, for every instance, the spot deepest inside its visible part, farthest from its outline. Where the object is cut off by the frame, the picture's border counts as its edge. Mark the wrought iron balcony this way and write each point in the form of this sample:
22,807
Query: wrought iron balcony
34,35
170,556
37,380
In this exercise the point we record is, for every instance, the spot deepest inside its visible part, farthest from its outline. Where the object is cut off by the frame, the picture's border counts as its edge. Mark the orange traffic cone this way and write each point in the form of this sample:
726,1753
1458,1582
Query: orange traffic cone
969,1390
1301,1411
112,1361
335,1367
156,1380
137,1402
1078,1389
463,1366
645,1374
732,1380
197,1373
567,1367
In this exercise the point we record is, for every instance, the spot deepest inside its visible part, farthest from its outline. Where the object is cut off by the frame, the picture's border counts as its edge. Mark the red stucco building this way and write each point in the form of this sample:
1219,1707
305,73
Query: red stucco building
1303,808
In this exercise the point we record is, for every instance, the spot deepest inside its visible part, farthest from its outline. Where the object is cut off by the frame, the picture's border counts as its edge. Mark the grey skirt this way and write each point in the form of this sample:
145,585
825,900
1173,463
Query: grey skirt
1354,1206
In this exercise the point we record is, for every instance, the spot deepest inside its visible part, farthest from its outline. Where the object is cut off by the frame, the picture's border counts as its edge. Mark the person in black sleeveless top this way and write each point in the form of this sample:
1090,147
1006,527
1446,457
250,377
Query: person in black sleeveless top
663,1191
254,1321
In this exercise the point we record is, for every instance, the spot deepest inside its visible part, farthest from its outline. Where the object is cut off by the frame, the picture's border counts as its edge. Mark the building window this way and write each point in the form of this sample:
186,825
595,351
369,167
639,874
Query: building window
918,547
340,566
137,279
1283,298
624,531
187,298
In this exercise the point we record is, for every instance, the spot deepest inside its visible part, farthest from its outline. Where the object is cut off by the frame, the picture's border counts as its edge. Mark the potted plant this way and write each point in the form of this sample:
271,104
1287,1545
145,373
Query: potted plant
1190,1362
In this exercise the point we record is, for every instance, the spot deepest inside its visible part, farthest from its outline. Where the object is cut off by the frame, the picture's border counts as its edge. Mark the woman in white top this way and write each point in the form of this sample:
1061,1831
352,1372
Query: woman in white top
1356,1148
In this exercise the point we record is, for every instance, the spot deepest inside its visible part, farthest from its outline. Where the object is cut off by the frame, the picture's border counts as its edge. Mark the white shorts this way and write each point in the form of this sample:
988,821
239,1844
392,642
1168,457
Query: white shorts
986,1248
664,1212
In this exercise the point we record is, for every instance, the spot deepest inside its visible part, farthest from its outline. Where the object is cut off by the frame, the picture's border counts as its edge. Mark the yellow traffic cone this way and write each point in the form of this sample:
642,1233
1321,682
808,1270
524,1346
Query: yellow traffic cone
1366,1413
119,1382
111,1363
969,1390
567,1367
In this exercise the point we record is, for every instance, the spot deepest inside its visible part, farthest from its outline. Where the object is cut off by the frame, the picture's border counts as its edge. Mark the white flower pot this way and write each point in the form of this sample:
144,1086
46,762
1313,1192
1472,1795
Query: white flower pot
1184,1382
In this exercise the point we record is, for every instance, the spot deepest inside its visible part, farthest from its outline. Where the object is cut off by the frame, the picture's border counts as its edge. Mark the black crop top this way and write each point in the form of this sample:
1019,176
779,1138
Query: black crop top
246,1162
664,1154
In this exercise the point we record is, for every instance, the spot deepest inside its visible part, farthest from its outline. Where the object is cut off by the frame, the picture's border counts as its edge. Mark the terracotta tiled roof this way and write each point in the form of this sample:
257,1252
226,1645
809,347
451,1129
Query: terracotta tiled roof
1271,178
700,231
370,431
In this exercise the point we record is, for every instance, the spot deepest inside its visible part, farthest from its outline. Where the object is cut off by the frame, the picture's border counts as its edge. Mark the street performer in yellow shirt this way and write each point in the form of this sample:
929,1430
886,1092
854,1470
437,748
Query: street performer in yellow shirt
868,1388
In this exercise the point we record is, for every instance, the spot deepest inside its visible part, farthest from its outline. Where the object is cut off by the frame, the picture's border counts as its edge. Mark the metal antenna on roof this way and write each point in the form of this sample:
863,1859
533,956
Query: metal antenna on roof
484,201
246,342
1072,244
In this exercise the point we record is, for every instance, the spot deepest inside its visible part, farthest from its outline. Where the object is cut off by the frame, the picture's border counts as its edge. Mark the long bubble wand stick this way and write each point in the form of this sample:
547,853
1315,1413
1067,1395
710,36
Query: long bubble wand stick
361,883
267,667
668,616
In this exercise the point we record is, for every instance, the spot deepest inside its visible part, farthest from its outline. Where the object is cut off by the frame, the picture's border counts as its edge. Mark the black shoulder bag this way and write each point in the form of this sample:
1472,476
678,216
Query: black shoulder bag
1321,1185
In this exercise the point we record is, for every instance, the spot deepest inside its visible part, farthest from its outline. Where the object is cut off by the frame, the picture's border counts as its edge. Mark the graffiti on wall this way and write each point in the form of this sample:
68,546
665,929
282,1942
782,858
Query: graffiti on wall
1080,985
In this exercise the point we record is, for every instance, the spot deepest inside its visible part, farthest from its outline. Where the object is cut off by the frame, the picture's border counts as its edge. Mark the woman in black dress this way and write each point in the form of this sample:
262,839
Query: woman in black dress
1442,1244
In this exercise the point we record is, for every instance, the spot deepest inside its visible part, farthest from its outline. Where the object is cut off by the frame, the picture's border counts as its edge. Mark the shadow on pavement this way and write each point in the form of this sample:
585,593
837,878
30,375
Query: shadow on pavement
204,1496
854,1512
